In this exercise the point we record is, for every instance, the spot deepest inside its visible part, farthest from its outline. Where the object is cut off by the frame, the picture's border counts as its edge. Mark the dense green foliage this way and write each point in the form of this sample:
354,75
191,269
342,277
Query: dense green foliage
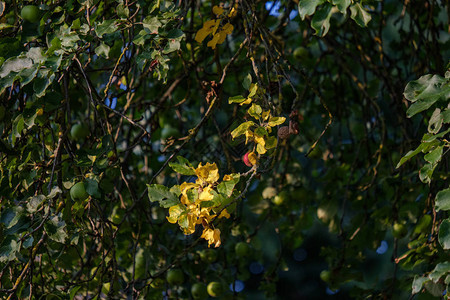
108,108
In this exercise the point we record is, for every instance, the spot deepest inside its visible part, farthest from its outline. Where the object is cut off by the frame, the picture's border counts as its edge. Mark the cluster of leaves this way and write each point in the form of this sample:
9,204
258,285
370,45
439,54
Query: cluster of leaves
197,203
212,27
257,131
426,93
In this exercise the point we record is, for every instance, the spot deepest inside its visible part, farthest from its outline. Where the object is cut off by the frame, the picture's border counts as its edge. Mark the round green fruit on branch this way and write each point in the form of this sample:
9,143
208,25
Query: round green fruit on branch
399,230
198,291
242,249
208,255
79,131
325,275
215,289
280,198
30,13
78,192
175,277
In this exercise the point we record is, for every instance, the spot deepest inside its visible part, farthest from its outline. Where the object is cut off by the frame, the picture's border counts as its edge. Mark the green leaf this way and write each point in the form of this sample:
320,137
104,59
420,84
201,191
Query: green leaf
271,142
241,129
426,172
92,187
152,24
435,122
55,228
247,81
342,5
171,46
122,11
425,91
434,156
161,194
261,131
360,15
34,203
226,187
106,27
103,50
308,7
440,270
446,116
418,284
321,19
444,234
73,292
443,200
8,249
255,111
183,166
411,154
236,99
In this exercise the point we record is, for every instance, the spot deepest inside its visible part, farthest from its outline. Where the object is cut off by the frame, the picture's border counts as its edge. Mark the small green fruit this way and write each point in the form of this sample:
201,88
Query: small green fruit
198,291
30,13
242,249
215,289
300,52
78,192
175,277
325,275
280,198
399,230
79,131
208,255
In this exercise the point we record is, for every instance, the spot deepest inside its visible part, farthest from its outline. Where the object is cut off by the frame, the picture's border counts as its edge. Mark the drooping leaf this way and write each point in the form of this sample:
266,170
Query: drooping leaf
308,7
342,5
360,15
444,234
321,19
443,200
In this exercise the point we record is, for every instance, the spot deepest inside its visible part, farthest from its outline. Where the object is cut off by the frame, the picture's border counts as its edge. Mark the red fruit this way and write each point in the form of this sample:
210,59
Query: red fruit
246,160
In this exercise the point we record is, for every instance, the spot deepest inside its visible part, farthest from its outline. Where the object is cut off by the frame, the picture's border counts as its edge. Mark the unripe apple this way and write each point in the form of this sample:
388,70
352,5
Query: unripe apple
208,255
399,230
30,13
215,289
78,192
325,275
198,291
175,277
242,249
79,131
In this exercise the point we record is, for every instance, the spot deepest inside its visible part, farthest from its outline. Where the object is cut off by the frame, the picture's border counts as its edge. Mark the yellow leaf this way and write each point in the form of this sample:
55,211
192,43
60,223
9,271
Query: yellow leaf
252,158
217,10
224,214
174,213
205,195
265,115
260,149
274,121
205,30
248,136
233,12
212,236
248,101
228,28
216,26
208,173
212,43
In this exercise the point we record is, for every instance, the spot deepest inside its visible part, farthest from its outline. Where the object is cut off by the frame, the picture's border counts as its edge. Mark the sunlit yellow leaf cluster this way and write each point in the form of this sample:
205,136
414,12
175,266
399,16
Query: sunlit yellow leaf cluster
201,201
219,33
257,131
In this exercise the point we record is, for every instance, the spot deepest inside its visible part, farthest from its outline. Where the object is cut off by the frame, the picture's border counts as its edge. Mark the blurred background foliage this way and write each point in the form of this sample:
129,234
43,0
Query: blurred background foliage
105,93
